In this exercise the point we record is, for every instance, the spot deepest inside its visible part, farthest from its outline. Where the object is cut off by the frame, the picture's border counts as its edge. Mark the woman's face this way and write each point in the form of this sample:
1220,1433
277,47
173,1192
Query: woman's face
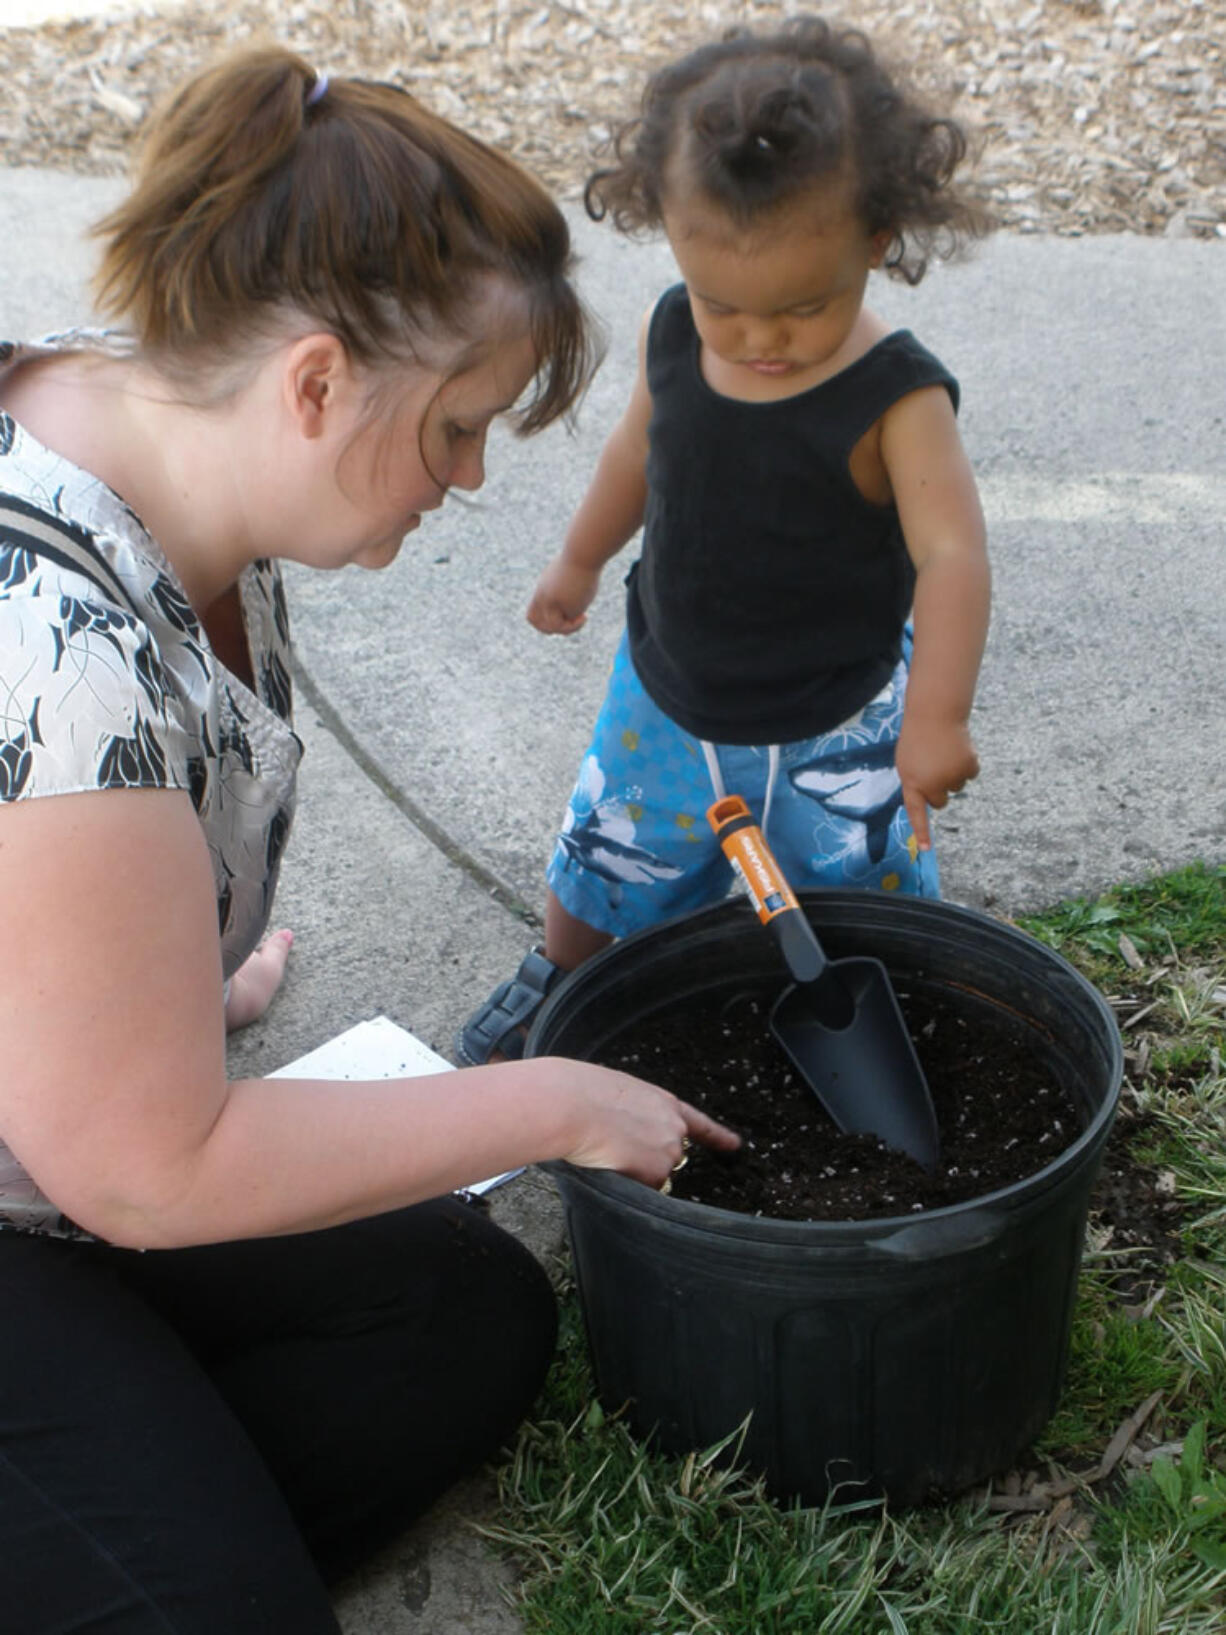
399,461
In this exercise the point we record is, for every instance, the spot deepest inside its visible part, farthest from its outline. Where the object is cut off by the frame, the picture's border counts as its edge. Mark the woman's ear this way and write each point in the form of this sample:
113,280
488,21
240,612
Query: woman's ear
878,245
316,382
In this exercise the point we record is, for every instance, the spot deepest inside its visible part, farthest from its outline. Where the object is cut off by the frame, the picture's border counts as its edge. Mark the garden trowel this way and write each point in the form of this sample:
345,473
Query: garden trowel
839,1020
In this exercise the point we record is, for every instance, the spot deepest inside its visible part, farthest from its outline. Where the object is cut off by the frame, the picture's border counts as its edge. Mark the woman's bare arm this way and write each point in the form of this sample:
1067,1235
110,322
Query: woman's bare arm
113,1089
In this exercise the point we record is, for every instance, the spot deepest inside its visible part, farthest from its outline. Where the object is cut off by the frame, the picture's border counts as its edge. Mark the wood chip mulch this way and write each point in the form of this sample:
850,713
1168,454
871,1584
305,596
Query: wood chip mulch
1090,116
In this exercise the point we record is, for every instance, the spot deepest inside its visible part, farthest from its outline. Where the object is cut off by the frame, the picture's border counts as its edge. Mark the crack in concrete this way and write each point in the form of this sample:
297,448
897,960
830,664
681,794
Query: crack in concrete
504,895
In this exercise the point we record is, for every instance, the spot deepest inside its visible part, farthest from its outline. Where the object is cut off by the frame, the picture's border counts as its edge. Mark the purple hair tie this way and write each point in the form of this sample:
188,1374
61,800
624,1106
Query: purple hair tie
316,93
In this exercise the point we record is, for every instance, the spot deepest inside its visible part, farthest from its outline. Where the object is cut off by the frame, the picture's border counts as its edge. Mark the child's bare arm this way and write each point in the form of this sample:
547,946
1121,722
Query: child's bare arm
609,515
942,522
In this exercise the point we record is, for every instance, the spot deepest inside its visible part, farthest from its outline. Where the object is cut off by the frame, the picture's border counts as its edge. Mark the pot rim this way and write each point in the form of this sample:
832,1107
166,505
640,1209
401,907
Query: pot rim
727,1222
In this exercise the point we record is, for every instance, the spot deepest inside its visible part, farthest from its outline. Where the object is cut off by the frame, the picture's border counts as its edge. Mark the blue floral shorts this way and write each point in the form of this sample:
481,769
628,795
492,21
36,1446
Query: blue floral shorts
635,846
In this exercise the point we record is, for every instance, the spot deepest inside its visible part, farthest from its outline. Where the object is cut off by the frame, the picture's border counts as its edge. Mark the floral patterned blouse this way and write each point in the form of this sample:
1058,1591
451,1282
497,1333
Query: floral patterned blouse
107,681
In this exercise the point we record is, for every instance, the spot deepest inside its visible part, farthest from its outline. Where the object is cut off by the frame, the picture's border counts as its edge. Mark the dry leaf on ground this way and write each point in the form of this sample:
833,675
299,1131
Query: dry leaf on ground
1091,115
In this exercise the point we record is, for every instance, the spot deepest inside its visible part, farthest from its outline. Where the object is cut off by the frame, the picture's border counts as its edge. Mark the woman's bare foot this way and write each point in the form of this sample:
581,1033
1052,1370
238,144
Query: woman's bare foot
256,981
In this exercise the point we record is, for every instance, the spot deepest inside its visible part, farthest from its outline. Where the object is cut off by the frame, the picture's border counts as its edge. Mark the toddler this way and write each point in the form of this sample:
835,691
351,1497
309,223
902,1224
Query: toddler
805,622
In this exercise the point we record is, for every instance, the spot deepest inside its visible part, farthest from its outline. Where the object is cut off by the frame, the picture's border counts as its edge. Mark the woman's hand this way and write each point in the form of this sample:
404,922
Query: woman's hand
639,1129
563,594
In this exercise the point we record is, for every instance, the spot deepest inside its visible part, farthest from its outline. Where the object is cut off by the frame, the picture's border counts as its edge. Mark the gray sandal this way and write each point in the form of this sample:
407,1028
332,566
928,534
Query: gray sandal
501,1023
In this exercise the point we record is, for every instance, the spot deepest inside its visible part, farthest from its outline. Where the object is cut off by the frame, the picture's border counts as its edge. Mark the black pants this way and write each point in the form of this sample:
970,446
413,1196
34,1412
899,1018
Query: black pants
193,1441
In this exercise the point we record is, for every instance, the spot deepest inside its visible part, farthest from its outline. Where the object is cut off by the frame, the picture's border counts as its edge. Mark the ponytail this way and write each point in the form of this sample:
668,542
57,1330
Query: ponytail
266,194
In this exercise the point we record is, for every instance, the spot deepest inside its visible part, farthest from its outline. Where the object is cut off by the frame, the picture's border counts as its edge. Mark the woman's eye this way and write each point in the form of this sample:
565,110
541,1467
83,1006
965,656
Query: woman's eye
809,312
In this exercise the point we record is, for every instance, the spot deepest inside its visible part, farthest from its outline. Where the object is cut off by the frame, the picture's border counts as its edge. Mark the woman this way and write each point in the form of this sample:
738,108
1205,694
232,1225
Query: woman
248,1332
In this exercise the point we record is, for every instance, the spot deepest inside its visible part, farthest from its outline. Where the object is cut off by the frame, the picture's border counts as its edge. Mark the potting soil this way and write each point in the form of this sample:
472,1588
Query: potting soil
1001,1113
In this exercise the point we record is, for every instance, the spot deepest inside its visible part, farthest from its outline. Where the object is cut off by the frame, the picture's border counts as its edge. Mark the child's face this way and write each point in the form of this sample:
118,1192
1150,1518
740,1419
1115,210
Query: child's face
776,305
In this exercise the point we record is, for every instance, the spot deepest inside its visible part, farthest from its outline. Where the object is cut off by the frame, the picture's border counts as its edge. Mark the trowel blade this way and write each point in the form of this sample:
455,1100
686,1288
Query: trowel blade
866,1074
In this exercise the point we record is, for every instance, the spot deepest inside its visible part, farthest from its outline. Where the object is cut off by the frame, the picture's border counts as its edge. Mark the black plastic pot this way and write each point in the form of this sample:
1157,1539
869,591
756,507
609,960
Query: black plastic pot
911,1355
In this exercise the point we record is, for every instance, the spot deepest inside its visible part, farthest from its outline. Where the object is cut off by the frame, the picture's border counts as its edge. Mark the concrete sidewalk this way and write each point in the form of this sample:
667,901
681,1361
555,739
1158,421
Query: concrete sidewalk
443,733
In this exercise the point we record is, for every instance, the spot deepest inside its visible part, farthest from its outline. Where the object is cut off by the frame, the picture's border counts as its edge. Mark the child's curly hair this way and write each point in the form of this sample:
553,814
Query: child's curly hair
757,120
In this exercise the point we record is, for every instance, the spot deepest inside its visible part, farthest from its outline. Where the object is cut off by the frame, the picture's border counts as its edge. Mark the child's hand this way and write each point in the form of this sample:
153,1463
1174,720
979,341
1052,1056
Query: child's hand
562,597
934,760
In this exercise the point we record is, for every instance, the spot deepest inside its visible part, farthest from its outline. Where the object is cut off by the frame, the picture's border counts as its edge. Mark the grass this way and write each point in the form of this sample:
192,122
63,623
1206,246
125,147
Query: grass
1180,912
1115,1362
610,1536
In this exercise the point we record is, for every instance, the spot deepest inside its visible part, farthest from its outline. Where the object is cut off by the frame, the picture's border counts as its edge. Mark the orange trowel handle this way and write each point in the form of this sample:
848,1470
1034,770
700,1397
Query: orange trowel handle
745,848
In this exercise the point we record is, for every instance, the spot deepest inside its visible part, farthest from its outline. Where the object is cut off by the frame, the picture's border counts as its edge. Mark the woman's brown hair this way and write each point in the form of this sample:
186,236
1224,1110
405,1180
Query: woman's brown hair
262,191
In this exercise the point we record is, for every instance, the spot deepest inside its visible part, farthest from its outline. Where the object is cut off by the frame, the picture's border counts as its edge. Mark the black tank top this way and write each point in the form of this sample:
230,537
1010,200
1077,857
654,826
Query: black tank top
770,596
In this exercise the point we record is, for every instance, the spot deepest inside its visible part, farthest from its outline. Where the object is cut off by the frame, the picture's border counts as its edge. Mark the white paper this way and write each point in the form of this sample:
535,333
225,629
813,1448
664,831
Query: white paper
378,1049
